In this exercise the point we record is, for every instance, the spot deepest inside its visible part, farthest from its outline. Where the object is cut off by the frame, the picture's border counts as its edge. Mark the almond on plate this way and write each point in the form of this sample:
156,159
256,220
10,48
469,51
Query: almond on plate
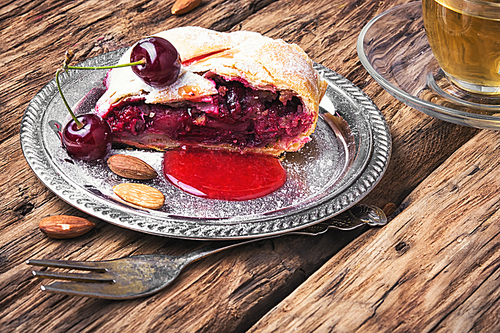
131,167
65,226
140,195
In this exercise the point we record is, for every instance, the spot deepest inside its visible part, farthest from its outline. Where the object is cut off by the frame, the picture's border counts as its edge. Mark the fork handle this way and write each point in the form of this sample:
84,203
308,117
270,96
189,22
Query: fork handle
357,216
215,247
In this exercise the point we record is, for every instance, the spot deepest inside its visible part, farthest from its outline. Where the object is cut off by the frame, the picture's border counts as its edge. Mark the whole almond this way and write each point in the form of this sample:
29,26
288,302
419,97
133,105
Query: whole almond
65,226
140,195
183,6
131,167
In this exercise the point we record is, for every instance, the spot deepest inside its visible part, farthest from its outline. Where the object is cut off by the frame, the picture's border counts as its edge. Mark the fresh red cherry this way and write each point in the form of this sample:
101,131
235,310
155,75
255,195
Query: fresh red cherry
87,137
162,65
90,142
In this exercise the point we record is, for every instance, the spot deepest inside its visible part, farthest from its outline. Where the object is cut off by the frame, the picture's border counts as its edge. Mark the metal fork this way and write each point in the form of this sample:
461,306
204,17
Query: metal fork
143,275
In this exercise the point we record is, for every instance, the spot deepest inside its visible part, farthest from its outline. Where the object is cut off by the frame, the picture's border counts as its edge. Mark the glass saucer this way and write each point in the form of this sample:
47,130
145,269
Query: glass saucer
393,48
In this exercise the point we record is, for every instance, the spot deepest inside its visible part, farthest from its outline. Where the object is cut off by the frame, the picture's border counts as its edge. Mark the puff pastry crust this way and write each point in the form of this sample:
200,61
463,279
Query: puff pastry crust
258,63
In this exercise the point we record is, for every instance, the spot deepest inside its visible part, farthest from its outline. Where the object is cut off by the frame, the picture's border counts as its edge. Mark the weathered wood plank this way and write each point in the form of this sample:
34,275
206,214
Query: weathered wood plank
224,293
435,267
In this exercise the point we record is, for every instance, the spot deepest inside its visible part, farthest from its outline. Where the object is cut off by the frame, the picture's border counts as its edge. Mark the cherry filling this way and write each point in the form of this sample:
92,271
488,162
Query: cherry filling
238,115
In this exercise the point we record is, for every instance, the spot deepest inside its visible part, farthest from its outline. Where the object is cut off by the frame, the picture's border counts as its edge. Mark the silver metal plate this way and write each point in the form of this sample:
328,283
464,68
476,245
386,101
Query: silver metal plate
334,171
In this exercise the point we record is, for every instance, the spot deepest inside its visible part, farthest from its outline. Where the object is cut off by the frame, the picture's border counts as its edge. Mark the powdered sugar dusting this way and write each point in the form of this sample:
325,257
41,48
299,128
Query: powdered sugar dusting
262,61
191,42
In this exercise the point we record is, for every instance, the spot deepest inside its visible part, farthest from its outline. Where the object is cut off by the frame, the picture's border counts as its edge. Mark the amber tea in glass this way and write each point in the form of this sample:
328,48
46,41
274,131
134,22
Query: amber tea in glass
465,38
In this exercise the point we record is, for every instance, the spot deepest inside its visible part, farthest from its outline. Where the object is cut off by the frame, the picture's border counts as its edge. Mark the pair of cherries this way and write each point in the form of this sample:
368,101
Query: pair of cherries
88,137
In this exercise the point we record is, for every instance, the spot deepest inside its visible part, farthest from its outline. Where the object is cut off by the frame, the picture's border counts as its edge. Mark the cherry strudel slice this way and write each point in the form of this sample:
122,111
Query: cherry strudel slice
239,91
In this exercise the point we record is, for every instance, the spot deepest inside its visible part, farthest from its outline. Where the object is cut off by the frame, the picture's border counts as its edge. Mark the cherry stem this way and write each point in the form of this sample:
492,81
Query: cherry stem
140,62
77,122
65,67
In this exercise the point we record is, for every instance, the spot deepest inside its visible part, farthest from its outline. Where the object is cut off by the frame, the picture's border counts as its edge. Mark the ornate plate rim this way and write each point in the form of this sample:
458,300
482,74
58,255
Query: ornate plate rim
196,229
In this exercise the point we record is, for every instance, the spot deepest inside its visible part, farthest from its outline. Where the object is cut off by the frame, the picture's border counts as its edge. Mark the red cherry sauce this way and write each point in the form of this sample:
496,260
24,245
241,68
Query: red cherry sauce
215,174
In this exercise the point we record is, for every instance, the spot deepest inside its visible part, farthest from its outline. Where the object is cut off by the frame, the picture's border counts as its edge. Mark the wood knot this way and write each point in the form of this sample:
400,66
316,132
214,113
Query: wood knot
24,208
402,247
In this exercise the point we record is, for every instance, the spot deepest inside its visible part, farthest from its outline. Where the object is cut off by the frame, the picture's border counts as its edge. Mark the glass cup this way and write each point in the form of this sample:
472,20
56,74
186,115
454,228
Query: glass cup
465,38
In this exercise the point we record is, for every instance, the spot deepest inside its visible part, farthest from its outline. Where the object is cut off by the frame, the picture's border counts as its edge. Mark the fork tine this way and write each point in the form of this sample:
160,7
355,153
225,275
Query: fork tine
82,277
89,266
97,290
76,288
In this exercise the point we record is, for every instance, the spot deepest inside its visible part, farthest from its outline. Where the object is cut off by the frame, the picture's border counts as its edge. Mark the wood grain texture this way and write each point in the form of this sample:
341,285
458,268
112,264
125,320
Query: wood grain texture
223,293
230,291
428,270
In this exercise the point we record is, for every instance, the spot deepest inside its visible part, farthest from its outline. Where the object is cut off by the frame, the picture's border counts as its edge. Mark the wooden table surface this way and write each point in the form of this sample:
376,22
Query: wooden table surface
435,267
